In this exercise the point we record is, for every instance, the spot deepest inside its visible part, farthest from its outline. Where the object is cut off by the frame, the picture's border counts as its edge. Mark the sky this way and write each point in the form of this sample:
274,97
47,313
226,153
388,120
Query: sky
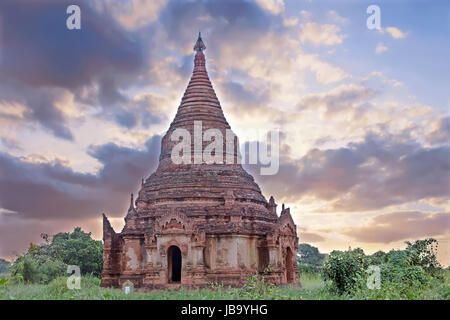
363,113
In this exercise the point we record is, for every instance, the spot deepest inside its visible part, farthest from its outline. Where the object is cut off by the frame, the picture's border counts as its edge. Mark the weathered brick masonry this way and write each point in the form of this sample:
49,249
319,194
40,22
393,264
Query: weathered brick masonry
197,223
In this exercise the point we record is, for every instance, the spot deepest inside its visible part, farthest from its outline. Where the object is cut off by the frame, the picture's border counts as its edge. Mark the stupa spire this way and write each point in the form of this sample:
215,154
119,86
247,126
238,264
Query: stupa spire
199,45
200,104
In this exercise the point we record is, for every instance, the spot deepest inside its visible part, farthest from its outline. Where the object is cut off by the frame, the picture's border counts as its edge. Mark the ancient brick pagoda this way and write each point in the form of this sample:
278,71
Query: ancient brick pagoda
192,224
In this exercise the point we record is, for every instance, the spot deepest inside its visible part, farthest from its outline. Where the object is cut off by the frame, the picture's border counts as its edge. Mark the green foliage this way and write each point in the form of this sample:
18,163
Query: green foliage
310,256
344,270
29,269
257,288
78,248
399,280
306,268
378,257
43,263
422,253
90,289
51,269
403,274
312,288
35,267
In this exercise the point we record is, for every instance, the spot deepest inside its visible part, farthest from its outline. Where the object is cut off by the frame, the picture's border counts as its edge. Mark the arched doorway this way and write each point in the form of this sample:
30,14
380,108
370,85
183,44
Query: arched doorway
174,264
289,266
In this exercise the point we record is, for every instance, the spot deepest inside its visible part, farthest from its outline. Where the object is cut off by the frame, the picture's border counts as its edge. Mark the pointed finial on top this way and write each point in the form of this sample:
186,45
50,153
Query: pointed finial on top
131,202
272,202
199,45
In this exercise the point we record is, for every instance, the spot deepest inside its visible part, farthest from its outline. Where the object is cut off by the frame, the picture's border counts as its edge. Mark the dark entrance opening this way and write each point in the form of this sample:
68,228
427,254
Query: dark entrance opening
174,264
289,266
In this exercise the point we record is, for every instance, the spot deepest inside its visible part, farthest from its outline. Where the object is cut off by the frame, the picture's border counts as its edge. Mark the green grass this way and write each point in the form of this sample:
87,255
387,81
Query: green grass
312,288
91,290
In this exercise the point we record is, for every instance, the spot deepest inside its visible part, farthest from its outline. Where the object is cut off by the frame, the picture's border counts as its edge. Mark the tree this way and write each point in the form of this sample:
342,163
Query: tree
310,256
402,274
422,253
378,257
42,263
78,248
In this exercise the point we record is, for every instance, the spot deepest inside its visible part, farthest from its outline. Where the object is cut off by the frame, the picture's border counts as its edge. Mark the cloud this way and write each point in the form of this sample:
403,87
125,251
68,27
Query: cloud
242,29
236,22
341,98
82,56
38,188
40,105
141,110
325,73
380,48
396,226
288,63
123,166
243,96
305,15
262,85
290,22
311,237
380,76
396,33
373,174
440,131
134,14
38,195
16,233
45,62
334,16
321,34
272,6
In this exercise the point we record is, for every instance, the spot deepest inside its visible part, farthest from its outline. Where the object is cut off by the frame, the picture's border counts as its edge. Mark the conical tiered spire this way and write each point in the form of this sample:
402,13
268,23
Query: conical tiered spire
199,103
196,183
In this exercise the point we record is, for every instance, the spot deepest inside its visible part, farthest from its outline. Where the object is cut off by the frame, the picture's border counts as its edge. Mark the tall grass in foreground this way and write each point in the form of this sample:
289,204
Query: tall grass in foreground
90,290
312,288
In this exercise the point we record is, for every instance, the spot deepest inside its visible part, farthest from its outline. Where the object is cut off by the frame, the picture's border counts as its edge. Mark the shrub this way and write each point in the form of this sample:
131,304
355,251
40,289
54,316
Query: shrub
51,270
399,280
256,288
43,263
344,270
422,253
404,274
25,269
